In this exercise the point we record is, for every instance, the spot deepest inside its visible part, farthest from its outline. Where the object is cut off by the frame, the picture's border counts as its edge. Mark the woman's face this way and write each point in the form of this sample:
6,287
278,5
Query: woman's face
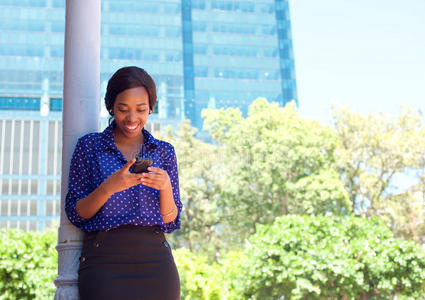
131,110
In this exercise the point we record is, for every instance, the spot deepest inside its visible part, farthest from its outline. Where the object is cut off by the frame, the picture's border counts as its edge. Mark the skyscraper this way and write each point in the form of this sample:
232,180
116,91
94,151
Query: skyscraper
234,52
201,53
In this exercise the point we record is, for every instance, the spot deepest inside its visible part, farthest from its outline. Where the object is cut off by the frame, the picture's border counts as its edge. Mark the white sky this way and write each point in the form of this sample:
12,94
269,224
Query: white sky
366,54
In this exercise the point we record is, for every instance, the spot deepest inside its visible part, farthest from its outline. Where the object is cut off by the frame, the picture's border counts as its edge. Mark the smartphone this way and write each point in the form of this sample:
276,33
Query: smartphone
141,165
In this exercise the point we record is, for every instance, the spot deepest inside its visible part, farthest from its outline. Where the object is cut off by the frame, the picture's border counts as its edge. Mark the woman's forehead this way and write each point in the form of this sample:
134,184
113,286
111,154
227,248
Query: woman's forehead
133,96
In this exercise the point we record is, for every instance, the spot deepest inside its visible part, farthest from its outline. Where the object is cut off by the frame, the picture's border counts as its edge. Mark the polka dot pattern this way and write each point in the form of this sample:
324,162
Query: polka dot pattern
95,158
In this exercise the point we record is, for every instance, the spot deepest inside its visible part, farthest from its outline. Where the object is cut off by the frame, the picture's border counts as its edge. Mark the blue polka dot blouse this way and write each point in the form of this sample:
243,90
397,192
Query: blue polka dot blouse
95,158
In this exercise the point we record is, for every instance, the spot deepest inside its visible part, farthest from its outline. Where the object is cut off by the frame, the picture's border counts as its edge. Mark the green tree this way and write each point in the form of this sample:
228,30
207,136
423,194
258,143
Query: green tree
405,213
275,163
373,152
198,164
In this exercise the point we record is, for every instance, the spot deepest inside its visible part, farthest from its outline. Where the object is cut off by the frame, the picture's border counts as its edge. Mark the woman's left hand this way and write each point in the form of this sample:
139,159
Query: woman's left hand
156,178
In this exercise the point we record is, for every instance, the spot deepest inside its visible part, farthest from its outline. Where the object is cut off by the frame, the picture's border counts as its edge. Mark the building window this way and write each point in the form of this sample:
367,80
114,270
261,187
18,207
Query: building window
133,29
198,4
133,54
201,71
139,6
19,103
25,3
22,25
56,104
21,50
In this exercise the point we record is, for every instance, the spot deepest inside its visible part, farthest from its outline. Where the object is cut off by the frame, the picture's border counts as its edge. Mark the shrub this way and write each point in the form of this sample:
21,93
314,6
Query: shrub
28,264
198,278
328,257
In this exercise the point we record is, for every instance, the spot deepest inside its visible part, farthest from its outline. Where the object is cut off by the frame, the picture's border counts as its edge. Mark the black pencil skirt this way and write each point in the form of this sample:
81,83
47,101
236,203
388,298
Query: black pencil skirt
127,263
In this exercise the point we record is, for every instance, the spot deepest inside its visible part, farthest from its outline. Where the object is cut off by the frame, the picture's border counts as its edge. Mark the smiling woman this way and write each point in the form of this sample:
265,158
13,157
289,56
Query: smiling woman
124,214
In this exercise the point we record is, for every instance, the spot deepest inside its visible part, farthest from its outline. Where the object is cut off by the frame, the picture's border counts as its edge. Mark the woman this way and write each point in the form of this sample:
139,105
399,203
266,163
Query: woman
124,215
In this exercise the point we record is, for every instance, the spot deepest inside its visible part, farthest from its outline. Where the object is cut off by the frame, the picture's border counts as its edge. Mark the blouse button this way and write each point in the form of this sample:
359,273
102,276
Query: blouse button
166,244
96,245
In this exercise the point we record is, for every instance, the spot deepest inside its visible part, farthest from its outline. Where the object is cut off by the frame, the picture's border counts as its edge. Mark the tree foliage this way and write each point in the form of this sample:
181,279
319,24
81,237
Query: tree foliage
198,164
320,257
199,279
374,152
276,163
405,213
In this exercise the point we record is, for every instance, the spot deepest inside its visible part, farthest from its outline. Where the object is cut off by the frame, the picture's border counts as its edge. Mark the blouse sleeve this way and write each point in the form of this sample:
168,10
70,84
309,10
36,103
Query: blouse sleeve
79,185
174,178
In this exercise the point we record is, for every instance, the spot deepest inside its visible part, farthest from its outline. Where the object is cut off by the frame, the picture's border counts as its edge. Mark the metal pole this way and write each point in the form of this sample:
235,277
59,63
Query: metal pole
80,116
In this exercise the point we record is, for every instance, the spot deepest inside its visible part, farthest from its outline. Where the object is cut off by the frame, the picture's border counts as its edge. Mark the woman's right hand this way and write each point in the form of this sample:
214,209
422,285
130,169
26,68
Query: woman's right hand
121,179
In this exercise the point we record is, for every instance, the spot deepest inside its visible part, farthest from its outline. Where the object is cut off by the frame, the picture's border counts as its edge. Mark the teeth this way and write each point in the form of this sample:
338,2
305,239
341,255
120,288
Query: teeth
132,127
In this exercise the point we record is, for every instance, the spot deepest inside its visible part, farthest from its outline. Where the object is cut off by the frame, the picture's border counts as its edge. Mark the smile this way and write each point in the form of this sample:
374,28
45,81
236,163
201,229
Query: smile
132,127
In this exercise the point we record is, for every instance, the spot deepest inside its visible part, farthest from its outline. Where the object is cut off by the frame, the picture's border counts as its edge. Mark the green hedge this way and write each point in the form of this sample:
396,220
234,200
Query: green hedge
331,258
28,264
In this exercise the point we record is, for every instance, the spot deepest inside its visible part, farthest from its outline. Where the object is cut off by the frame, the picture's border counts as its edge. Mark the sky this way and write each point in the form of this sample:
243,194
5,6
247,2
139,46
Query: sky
368,55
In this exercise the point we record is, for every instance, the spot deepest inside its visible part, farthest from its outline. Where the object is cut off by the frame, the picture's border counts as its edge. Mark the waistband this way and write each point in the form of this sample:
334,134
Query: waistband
127,228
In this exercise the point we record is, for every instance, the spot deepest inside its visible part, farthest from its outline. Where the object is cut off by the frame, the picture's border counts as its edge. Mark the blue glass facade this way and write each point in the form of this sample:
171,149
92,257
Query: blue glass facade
188,70
147,34
201,53
241,50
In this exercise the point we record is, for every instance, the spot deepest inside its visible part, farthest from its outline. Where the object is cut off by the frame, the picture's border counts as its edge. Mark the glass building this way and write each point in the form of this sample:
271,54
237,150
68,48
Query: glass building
201,54
234,52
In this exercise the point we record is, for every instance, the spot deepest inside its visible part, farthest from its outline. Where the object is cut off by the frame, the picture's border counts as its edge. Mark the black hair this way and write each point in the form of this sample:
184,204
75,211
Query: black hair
127,78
